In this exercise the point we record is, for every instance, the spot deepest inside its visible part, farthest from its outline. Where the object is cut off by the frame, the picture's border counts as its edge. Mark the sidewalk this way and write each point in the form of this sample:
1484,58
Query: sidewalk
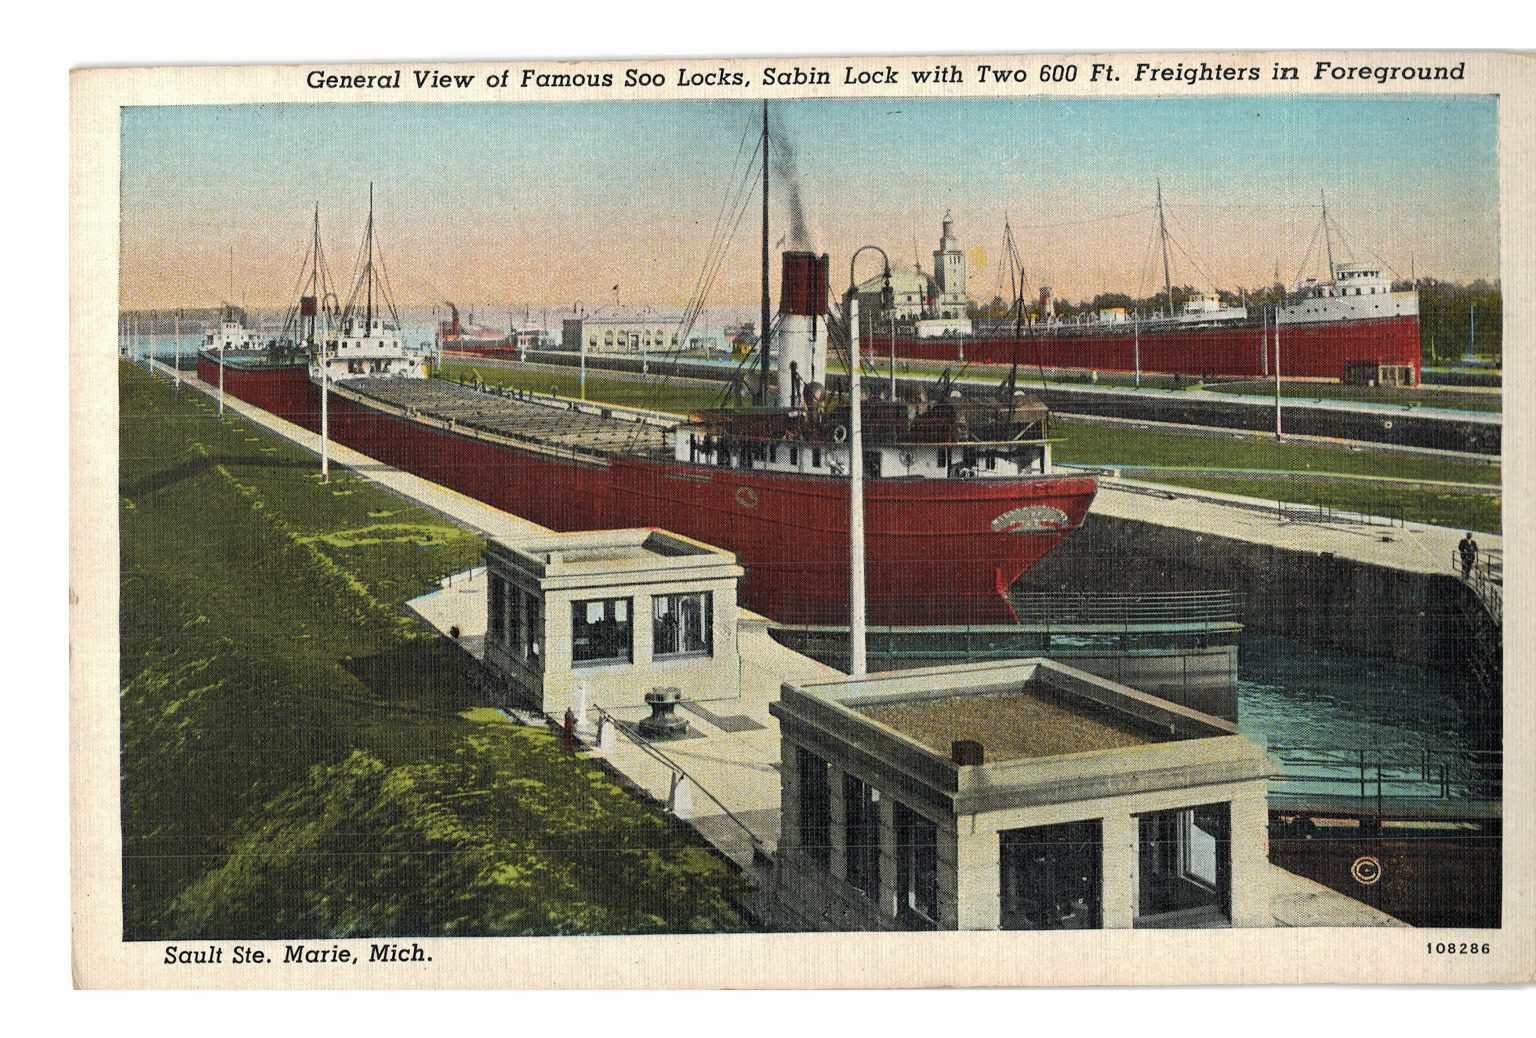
1411,547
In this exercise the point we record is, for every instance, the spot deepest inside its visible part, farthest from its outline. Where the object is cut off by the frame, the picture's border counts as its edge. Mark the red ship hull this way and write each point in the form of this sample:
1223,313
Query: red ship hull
1306,350
935,556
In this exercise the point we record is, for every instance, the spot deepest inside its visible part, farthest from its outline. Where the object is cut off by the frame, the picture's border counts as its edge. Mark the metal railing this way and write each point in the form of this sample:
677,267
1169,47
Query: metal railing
759,849
1485,575
1365,777
1127,609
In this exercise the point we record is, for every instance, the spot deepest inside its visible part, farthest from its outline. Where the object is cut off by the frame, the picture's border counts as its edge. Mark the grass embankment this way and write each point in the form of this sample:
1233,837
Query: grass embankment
654,392
1298,392
302,758
1306,392
1359,481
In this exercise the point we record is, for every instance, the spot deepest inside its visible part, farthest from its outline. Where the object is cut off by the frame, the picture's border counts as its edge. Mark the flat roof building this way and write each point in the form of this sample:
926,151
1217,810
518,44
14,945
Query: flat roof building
616,611
1014,795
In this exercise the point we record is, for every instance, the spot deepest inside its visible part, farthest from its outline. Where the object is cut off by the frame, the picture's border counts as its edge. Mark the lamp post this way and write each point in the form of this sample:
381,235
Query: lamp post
1279,434
579,313
857,661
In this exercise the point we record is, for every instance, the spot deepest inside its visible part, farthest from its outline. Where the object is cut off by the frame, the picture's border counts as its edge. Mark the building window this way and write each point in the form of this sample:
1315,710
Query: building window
683,625
512,630
917,866
1185,867
1051,877
815,809
602,631
496,627
532,643
861,830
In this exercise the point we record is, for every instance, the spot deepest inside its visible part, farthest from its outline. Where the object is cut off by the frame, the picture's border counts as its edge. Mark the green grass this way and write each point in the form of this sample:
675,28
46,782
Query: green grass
1118,445
1465,400
655,393
1123,445
1460,511
302,758
1486,401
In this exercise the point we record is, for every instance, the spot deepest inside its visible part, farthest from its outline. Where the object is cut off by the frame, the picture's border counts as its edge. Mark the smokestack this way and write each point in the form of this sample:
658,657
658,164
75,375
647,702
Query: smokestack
801,345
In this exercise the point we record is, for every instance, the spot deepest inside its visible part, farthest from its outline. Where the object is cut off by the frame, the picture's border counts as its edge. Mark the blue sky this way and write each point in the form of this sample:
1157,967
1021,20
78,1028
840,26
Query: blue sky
550,203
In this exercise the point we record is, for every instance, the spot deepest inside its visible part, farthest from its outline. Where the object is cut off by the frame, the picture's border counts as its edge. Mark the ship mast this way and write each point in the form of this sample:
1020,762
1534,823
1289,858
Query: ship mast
368,270
1016,279
1327,237
762,338
1162,230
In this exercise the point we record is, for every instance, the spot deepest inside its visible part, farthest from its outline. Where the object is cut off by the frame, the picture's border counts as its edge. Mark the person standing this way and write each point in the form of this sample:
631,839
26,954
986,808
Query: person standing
1468,550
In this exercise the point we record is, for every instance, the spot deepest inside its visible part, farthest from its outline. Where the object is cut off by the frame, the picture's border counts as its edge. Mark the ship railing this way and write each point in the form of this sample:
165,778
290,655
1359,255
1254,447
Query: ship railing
1321,777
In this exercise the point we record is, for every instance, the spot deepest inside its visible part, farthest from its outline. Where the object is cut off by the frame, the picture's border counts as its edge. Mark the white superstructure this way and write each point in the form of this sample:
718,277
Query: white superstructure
232,335
1357,292
368,350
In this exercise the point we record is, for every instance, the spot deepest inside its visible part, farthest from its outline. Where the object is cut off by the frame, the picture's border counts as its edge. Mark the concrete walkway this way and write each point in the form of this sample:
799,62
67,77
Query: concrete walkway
1412,547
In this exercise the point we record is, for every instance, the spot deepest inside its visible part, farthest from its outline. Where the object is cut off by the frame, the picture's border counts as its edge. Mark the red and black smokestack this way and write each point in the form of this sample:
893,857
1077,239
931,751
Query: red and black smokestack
803,287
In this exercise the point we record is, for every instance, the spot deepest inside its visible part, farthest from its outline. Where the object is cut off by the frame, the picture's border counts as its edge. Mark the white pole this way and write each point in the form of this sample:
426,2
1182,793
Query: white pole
325,417
1136,344
178,349
1278,433
856,655
221,380
583,363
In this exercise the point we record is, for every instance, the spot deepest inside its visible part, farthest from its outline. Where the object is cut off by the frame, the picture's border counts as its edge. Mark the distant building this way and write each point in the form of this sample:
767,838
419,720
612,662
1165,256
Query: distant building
1017,795
927,305
620,611
639,331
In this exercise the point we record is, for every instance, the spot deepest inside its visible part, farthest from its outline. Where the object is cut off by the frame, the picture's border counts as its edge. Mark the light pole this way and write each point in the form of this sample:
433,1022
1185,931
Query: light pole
857,661
1279,434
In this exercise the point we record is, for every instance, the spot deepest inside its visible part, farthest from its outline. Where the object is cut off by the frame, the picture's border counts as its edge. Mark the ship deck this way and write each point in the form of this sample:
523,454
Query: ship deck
591,430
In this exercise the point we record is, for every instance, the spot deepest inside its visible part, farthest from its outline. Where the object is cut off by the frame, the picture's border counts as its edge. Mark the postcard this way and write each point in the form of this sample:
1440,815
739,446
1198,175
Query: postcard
801,522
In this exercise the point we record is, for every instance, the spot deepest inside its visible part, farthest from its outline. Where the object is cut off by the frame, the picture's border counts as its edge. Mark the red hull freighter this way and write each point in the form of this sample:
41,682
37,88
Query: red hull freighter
1320,329
941,551
960,498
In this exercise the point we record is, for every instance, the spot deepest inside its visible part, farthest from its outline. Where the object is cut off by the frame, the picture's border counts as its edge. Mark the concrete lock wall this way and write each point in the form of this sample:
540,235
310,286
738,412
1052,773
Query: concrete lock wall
1425,619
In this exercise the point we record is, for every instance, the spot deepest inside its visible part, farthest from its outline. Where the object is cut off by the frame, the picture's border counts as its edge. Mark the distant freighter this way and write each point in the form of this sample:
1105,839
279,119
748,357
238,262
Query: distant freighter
1354,317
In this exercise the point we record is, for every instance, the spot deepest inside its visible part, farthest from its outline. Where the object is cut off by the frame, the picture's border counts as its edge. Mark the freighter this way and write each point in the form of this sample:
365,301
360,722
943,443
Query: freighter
1353,316
232,334
453,334
960,496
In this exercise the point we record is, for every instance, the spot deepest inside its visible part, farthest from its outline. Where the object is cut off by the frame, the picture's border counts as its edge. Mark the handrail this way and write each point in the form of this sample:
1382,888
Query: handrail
644,744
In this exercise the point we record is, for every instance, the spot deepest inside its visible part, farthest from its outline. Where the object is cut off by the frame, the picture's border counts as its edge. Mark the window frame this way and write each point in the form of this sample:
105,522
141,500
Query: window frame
579,623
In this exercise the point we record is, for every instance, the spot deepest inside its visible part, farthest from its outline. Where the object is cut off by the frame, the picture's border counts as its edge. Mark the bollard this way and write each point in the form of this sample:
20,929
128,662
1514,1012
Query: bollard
582,692
605,736
663,723
680,797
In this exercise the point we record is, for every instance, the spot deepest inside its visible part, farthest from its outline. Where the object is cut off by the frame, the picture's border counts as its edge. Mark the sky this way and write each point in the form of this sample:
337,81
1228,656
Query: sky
501,205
